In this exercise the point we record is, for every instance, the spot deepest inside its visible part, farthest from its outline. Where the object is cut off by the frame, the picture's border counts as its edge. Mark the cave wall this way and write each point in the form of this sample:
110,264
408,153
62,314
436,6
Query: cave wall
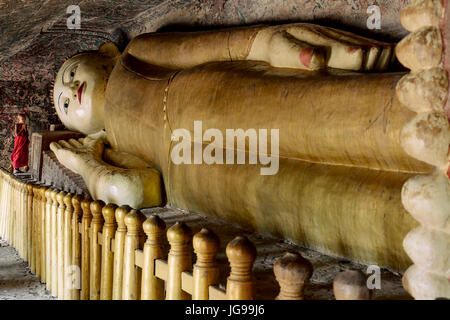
34,40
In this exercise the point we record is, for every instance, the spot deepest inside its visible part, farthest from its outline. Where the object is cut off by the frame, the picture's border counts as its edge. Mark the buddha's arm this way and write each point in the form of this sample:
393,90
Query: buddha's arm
182,50
129,181
300,46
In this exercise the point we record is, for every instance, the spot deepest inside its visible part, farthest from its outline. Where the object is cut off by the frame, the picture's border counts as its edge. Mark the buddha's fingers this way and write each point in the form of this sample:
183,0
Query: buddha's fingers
55,147
65,144
421,49
386,58
74,143
340,54
66,155
285,51
81,140
88,141
377,55
422,13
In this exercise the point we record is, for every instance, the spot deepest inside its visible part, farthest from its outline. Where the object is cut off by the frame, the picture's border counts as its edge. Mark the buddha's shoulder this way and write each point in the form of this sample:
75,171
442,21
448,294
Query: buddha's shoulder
140,68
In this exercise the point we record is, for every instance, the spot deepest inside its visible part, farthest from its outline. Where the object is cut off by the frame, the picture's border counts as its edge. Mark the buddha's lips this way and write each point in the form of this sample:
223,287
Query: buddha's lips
80,91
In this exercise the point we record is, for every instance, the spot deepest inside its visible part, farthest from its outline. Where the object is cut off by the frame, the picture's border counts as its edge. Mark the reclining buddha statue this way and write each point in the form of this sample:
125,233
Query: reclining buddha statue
341,148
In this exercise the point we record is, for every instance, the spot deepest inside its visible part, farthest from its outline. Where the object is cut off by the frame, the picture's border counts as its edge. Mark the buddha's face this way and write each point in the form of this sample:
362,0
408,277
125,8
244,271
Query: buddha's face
79,92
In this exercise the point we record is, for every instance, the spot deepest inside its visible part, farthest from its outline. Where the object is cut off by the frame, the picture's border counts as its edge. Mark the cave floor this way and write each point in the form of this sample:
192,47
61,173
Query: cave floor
18,283
16,280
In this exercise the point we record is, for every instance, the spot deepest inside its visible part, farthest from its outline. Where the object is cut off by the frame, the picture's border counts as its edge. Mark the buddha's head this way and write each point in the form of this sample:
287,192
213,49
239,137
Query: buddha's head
79,90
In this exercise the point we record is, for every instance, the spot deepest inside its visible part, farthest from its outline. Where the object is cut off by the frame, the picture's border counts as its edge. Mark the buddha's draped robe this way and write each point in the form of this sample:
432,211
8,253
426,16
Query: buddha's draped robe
341,164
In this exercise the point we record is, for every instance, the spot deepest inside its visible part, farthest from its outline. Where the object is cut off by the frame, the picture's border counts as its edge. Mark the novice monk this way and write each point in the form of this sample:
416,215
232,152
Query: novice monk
19,156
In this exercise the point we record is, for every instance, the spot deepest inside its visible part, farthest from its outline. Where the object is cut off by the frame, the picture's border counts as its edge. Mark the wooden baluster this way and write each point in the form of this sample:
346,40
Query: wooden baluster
119,243
292,272
38,232
7,208
96,253
18,225
3,205
76,247
23,223
48,238
179,260
206,272
54,243
23,198
152,287
241,254
28,218
2,193
13,212
42,231
9,200
60,236
18,217
132,275
34,230
28,210
2,202
68,273
10,208
107,264
85,248
351,285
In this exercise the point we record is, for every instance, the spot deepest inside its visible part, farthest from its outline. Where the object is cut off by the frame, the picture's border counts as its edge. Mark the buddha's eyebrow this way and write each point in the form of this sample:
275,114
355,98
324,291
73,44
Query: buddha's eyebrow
58,101
65,69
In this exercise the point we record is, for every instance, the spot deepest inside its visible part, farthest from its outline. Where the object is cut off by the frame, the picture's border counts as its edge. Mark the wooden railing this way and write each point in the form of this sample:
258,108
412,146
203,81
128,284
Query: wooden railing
88,250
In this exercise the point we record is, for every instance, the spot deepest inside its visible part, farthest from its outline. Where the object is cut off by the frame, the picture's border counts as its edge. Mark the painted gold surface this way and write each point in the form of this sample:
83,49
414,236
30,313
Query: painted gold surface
331,126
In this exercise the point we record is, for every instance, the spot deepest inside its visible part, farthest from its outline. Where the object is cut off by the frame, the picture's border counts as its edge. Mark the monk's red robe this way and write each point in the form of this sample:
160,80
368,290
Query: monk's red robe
19,156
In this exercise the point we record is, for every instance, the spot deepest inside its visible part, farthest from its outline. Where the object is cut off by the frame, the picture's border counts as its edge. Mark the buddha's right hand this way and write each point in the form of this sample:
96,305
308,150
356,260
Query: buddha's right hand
136,187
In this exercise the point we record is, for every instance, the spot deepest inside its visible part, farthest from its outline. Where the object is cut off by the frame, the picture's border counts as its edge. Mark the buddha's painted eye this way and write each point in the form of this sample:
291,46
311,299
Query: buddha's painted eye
66,105
72,73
